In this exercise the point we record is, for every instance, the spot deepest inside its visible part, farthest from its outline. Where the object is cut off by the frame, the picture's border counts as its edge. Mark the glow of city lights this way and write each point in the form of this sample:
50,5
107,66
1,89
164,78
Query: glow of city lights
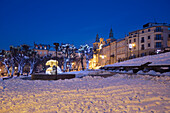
102,56
133,45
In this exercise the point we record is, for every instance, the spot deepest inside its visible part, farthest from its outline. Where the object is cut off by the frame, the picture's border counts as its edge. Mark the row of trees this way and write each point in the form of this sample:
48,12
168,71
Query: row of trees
19,57
23,55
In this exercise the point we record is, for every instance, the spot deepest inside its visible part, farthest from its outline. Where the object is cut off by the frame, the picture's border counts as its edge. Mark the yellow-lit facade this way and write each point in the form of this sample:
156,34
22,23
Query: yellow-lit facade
153,37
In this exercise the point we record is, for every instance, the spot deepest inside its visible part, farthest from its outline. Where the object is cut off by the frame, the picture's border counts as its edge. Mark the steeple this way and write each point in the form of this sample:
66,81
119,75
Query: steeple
97,38
111,34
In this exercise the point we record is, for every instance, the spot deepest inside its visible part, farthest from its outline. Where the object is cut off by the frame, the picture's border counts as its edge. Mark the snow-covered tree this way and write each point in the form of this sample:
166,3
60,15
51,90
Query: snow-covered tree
68,52
86,51
5,59
43,61
8,60
20,55
33,60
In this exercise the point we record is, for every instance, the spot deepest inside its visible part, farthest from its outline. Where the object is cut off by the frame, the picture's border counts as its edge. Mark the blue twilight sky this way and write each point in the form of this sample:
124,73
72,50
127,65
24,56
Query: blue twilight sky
75,21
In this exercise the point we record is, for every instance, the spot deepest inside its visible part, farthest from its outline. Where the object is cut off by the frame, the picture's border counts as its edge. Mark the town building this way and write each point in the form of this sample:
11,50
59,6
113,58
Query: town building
44,49
151,39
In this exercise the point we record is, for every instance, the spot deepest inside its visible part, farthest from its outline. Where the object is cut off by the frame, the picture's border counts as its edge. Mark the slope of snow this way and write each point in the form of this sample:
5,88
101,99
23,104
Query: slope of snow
119,93
160,59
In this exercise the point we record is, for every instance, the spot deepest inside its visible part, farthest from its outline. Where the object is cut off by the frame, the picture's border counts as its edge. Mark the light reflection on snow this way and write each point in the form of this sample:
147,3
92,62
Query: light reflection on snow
119,93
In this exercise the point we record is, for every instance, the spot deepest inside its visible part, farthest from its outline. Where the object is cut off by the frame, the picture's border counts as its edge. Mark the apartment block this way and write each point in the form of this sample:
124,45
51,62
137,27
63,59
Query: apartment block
151,39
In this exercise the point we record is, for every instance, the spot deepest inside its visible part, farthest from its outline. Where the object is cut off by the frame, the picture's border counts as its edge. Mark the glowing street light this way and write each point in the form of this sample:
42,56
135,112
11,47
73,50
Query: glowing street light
102,56
133,45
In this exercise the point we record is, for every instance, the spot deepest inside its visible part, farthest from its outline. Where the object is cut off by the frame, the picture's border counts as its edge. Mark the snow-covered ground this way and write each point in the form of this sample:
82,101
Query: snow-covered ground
160,59
119,93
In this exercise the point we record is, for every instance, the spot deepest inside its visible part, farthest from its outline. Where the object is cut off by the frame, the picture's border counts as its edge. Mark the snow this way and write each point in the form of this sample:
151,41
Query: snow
140,72
166,73
160,59
119,93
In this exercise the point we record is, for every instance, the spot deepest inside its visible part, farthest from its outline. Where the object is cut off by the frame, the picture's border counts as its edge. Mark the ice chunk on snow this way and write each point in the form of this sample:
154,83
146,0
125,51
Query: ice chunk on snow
166,73
152,72
140,72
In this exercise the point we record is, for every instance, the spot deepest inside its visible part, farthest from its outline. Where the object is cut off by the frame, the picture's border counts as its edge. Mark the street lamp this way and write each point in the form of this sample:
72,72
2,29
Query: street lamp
56,48
130,47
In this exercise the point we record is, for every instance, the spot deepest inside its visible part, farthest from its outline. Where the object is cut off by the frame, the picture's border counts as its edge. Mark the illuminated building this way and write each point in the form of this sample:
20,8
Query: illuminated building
152,39
146,41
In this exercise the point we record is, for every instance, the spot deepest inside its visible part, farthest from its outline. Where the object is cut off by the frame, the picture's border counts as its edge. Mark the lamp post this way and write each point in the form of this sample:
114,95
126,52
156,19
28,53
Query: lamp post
56,48
131,46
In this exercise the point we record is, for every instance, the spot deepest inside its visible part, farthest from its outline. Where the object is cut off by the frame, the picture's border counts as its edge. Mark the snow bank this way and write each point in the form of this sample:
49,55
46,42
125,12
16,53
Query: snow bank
160,59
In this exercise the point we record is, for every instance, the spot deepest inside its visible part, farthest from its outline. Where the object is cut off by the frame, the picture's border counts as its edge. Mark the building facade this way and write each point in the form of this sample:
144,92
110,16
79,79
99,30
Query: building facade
151,39
44,49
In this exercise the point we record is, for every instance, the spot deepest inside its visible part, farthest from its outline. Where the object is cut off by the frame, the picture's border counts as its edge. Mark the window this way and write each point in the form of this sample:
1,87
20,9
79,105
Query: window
45,53
142,54
142,31
169,35
158,37
142,47
149,30
149,45
40,53
158,29
158,44
134,39
129,41
142,40
149,37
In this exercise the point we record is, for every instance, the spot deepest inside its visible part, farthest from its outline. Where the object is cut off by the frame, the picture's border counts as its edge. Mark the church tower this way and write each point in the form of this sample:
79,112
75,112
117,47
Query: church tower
97,38
111,38
111,34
